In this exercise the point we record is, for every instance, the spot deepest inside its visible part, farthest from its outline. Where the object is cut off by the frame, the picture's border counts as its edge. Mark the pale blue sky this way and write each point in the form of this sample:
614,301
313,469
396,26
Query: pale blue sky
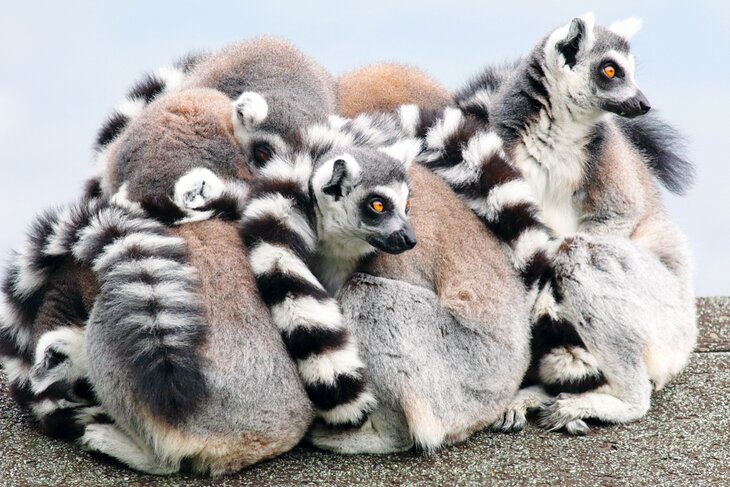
63,65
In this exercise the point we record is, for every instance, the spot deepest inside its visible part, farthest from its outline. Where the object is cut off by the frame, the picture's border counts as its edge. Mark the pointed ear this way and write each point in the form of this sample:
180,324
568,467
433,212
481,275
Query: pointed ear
249,110
626,28
406,151
575,38
335,186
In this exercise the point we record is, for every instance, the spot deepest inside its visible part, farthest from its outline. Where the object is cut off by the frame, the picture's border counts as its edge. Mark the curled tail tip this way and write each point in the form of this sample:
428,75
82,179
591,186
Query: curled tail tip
352,414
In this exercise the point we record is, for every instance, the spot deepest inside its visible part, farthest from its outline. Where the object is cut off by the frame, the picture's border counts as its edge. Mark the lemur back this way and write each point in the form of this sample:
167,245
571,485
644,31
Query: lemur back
448,313
182,131
384,87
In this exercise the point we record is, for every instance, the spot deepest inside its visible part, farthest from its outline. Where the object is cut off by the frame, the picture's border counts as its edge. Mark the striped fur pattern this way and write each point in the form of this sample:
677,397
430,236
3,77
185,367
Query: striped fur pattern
280,228
278,231
660,144
141,94
471,159
47,369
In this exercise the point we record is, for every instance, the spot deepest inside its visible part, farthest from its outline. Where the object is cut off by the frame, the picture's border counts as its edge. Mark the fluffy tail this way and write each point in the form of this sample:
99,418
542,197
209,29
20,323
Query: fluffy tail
281,240
472,161
662,148
148,307
42,326
141,94
147,301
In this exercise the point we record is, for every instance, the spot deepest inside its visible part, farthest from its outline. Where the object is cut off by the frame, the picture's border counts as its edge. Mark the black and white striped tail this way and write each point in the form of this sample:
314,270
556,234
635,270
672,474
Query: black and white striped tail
279,234
472,161
136,261
46,371
141,94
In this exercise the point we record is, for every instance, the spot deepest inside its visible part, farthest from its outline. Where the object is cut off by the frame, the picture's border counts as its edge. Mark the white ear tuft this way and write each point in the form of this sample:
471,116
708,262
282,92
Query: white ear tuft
590,20
250,109
567,42
626,28
405,150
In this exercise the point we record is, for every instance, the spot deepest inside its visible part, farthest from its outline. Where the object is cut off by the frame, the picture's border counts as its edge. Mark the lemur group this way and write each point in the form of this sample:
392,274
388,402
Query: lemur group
265,254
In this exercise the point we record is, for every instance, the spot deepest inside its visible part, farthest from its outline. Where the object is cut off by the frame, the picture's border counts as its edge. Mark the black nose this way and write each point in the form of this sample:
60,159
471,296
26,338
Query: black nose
409,240
644,107
395,243
402,240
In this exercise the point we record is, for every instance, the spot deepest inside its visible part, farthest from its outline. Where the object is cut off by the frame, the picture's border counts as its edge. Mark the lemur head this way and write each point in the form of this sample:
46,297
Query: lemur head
266,125
362,200
594,67
177,157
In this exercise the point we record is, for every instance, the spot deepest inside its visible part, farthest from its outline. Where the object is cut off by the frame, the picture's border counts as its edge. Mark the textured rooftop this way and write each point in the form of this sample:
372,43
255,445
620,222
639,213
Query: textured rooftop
683,440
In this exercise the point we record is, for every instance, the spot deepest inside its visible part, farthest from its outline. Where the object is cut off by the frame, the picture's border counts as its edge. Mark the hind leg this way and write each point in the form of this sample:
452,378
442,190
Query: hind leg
109,440
385,431
618,297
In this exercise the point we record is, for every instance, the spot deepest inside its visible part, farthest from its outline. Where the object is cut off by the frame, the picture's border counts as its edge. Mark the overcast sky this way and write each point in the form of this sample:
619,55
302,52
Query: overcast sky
63,65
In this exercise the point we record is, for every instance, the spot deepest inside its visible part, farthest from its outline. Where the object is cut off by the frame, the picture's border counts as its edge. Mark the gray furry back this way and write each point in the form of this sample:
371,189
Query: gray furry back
414,347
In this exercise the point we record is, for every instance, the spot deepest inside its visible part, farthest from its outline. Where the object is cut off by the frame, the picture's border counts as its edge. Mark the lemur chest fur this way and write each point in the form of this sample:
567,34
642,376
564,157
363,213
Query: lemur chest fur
338,256
552,158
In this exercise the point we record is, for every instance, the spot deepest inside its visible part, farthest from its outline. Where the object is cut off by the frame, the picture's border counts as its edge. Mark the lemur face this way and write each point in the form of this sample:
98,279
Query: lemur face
261,134
596,65
363,195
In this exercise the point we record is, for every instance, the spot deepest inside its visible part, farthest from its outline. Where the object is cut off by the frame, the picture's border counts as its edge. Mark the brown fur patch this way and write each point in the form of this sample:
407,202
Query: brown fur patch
383,87
456,256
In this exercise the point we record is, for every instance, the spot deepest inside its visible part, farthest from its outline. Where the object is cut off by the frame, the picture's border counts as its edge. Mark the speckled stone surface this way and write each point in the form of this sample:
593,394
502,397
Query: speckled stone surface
684,440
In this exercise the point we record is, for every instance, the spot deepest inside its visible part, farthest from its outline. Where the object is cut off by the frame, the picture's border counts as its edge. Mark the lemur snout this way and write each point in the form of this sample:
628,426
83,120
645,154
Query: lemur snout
635,106
397,242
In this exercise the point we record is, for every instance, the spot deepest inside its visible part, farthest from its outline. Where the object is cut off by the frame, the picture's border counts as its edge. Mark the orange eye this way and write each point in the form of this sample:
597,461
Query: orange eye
609,71
377,206
408,205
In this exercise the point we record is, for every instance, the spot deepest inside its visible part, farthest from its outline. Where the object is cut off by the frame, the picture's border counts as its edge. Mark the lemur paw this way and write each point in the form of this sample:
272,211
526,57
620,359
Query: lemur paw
513,420
197,188
561,413
250,109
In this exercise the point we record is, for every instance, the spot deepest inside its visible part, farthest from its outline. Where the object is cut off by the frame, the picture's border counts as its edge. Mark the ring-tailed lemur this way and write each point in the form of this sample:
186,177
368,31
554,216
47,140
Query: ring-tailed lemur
199,350
261,67
176,132
443,328
233,417
586,172
141,94
308,225
281,93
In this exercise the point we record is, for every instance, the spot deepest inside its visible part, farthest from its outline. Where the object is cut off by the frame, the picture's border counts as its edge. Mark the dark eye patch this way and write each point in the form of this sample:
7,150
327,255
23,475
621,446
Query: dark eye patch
369,215
603,81
261,152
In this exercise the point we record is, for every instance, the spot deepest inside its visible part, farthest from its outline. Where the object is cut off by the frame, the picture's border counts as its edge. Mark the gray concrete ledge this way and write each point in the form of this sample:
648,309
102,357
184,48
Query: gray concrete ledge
685,439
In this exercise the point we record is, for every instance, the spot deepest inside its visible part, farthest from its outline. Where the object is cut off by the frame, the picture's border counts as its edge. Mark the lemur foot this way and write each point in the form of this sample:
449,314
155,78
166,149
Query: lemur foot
561,413
368,438
109,440
514,418
197,188
250,109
